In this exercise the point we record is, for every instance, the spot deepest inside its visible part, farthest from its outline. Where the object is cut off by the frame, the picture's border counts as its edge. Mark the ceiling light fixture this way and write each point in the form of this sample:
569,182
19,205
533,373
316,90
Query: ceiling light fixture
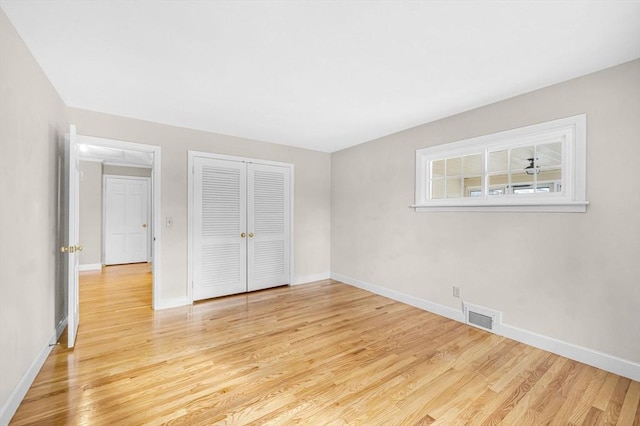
532,168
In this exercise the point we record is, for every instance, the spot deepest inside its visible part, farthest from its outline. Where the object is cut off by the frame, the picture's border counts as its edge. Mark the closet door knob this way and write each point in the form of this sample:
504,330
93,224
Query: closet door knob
250,234
243,235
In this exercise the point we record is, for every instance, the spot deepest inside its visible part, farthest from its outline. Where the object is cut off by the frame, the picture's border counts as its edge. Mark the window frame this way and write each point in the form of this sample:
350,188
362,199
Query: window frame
572,198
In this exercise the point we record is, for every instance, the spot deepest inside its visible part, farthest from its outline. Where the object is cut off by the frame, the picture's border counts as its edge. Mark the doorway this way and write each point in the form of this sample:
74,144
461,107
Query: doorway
108,155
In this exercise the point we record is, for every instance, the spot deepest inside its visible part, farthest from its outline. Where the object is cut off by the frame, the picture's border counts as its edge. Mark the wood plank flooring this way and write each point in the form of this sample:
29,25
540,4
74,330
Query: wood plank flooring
319,354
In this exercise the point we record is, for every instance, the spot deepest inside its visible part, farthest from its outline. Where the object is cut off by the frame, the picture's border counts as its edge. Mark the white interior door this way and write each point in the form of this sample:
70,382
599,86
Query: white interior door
219,228
268,190
126,219
71,245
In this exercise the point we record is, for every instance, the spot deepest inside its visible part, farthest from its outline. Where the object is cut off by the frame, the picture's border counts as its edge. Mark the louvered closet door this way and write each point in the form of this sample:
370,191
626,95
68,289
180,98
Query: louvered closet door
220,212
268,202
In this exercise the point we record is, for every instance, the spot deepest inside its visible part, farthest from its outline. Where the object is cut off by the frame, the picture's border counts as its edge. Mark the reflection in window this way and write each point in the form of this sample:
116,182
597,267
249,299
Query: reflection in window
528,189
541,167
523,168
509,171
451,177
492,191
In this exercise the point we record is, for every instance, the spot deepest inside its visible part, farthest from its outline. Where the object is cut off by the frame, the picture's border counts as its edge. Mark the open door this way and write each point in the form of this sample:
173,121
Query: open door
71,247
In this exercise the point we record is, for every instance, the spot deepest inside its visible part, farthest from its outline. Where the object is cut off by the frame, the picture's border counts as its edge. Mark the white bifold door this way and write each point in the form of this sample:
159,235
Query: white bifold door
241,233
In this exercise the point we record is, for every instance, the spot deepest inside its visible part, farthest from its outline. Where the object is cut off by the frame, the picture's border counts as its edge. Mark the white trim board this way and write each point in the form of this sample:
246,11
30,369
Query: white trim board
306,279
90,267
416,302
587,356
173,302
9,408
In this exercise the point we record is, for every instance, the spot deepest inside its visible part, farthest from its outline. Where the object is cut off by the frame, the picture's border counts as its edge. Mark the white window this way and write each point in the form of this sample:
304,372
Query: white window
535,168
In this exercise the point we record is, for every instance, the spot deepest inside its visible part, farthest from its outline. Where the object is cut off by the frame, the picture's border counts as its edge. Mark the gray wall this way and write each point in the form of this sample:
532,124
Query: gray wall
311,185
570,276
91,212
32,125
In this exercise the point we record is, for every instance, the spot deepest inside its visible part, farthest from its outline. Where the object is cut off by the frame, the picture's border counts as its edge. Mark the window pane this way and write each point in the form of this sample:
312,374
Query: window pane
498,180
454,187
522,189
473,165
521,158
528,189
437,169
437,188
549,175
549,155
550,163
498,161
524,178
472,187
454,166
522,183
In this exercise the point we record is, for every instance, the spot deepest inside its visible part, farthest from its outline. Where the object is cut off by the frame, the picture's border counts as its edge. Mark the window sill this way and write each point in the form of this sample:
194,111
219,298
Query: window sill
543,206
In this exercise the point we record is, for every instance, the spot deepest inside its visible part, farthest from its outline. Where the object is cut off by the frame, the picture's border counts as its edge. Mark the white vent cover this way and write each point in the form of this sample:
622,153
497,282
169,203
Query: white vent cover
481,317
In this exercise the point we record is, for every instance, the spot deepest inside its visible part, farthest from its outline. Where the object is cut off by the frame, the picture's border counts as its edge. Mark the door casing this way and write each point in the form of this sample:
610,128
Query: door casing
156,192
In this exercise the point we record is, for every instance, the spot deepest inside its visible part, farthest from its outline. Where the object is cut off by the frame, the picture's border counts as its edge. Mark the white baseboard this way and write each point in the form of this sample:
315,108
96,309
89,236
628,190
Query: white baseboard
435,308
304,279
90,267
612,364
173,302
9,408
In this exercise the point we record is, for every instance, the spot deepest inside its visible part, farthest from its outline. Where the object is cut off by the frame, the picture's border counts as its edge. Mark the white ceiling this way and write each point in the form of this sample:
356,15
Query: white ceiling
322,75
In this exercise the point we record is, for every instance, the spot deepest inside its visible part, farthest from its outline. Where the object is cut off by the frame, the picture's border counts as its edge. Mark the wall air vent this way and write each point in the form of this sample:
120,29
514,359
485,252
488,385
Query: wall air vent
481,317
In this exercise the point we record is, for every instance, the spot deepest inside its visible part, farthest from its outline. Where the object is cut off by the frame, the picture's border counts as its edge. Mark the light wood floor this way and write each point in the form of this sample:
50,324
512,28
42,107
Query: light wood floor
324,353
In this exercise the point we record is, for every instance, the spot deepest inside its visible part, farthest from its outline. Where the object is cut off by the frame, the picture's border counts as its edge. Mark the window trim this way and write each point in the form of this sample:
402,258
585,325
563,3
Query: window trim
572,198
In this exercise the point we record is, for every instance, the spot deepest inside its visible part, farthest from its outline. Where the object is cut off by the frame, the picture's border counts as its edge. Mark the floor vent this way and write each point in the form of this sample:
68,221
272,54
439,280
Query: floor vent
481,317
